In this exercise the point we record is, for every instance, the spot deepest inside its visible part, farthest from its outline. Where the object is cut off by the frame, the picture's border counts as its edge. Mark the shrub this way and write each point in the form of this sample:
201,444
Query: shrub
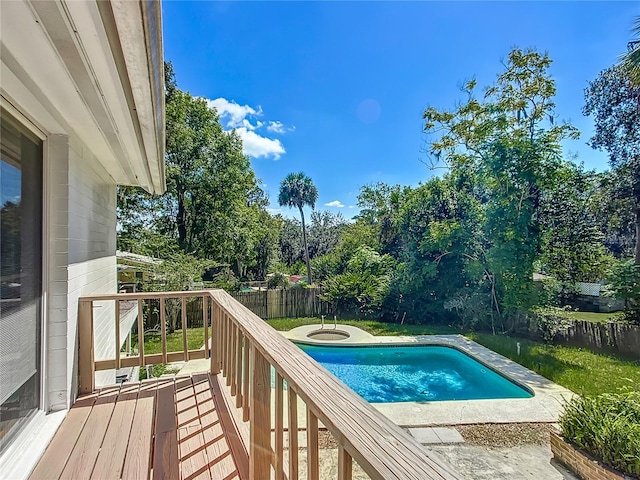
607,427
278,280
552,320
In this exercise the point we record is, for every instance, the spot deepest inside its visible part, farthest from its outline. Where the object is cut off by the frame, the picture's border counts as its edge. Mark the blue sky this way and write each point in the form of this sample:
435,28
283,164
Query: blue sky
337,89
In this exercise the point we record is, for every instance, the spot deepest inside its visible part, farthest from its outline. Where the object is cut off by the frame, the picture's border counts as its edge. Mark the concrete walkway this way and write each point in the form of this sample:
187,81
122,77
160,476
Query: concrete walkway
532,462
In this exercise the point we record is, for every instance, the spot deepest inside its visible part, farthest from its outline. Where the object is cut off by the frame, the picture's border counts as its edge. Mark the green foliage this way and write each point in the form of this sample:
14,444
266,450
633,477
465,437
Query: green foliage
552,320
364,285
157,371
214,207
612,99
379,208
439,223
625,284
505,150
631,59
572,248
278,280
608,427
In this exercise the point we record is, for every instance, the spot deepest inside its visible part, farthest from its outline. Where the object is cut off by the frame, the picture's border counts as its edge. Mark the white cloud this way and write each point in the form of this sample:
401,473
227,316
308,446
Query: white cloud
352,206
257,146
335,203
233,113
243,118
276,127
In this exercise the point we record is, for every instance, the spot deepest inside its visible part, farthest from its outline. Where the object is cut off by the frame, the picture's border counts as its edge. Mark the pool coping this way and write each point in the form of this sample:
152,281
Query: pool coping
544,407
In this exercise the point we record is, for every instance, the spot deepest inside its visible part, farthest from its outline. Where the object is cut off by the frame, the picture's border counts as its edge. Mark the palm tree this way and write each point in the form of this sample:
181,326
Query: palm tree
297,190
631,59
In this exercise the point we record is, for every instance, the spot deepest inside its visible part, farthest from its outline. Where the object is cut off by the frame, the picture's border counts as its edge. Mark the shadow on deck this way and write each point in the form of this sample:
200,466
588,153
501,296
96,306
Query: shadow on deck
174,428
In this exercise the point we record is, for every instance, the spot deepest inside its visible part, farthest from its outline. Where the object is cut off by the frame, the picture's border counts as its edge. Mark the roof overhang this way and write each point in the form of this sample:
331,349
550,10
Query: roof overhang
92,70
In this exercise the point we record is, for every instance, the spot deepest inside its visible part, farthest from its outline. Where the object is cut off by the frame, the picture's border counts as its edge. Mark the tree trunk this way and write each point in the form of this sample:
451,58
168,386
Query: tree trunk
637,261
180,219
306,249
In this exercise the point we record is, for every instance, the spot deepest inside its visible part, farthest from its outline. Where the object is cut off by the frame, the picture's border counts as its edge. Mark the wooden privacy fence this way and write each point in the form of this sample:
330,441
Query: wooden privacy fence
291,303
613,337
245,350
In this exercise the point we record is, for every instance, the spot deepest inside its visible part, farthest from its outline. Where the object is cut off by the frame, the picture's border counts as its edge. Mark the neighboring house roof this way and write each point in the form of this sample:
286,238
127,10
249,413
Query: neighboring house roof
92,70
133,259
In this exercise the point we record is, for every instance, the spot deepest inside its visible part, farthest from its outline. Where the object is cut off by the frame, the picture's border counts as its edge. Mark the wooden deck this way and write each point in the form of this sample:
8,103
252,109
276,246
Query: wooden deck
175,428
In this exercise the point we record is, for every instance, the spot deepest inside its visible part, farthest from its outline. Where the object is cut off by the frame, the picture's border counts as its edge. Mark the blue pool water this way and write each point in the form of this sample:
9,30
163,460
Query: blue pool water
413,374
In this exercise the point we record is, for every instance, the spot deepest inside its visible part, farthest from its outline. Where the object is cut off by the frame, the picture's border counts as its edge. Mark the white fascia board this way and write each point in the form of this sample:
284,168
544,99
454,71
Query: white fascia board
139,30
64,73
94,42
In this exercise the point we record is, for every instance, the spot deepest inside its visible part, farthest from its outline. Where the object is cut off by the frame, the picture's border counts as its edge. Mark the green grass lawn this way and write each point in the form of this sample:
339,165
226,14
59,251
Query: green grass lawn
579,370
153,341
592,316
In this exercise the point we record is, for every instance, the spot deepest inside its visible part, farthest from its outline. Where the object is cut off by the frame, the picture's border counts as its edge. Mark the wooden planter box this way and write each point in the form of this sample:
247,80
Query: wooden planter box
580,462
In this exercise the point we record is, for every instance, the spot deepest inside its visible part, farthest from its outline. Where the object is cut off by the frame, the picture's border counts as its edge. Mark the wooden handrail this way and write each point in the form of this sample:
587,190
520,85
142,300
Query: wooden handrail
88,365
381,448
243,349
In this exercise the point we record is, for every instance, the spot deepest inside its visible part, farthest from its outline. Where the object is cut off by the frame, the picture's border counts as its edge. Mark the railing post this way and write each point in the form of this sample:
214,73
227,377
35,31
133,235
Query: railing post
86,361
260,418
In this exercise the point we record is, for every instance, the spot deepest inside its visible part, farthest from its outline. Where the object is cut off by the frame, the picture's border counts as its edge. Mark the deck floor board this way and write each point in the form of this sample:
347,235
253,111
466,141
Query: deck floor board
165,429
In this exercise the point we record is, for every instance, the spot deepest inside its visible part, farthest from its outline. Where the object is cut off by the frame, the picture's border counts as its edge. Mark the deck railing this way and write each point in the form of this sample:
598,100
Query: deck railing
243,350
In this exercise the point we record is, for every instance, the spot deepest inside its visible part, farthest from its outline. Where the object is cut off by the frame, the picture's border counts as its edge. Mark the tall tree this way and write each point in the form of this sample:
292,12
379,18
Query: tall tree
508,143
612,99
298,190
213,208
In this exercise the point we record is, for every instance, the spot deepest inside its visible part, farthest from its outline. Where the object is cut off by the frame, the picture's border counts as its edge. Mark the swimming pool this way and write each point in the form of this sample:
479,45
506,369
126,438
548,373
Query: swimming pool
413,373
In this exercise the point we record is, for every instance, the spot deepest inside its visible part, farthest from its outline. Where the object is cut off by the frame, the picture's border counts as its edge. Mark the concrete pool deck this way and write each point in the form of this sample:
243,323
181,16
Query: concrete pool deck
545,406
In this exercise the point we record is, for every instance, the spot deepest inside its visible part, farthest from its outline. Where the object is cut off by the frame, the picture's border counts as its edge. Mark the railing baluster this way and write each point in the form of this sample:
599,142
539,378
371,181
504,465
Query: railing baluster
205,321
313,459
278,466
245,380
232,357
117,334
185,345
238,363
224,340
260,421
344,464
141,332
228,351
86,362
163,329
293,433
215,338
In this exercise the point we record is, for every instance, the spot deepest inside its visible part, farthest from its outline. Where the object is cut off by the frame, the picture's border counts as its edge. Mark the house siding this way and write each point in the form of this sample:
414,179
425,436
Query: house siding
82,245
